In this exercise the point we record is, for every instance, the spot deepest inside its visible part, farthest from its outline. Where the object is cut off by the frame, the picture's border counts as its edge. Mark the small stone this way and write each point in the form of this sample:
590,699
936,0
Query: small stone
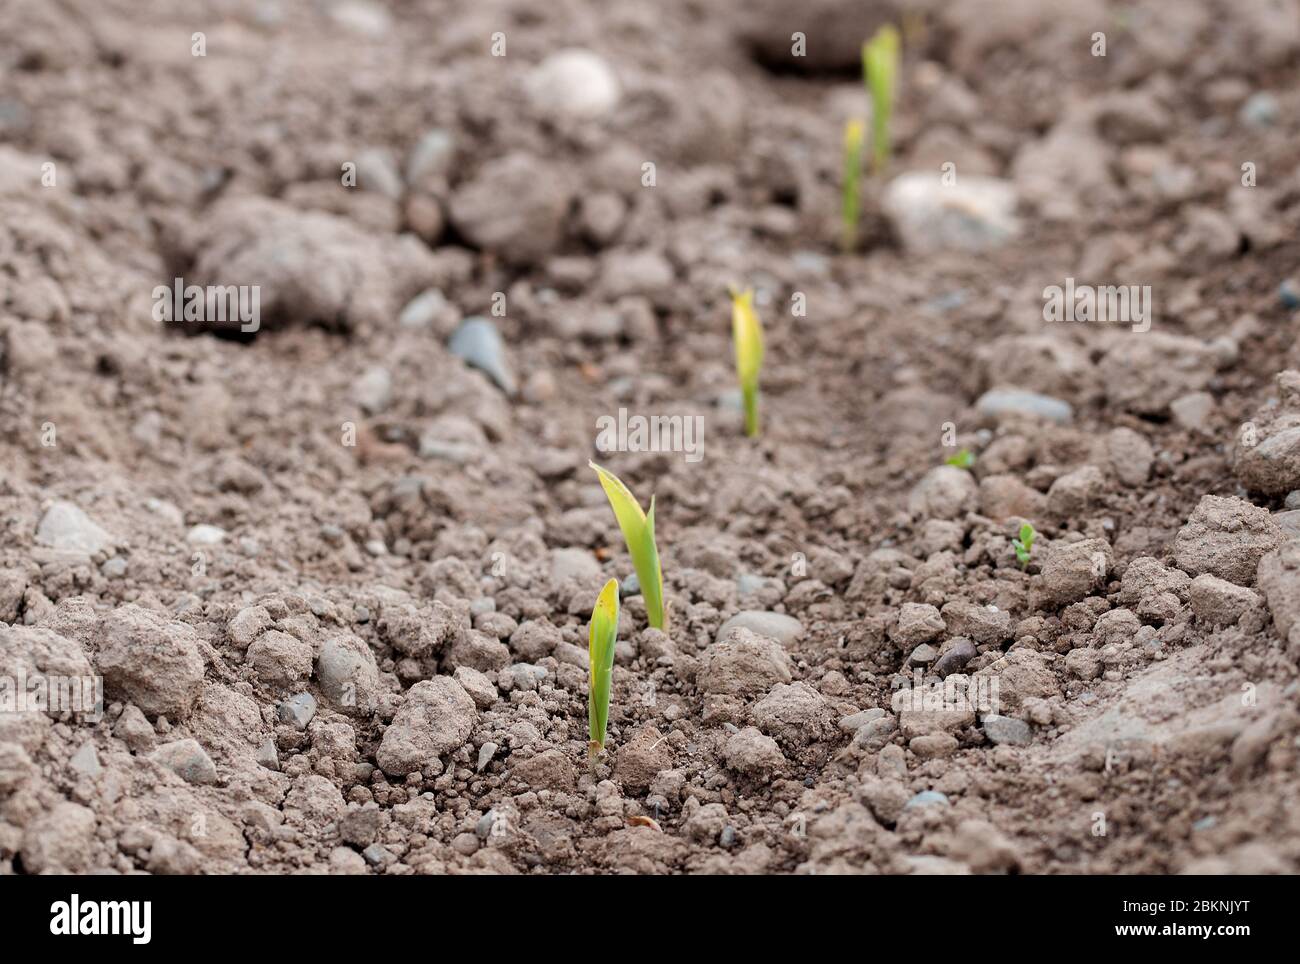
998,402
1007,730
297,711
856,721
630,586
65,527
1193,410
205,535
187,760
373,391
927,798
923,655
478,343
784,629
485,754
1260,110
430,309
85,762
573,82
958,653
133,729
114,568
974,214
378,856
267,756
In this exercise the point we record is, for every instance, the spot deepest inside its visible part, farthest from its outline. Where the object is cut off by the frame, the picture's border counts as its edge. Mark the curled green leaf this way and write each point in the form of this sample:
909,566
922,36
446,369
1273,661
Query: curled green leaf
639,534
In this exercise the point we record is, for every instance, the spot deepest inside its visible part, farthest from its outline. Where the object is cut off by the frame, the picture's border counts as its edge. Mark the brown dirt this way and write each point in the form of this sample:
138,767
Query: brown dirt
417,549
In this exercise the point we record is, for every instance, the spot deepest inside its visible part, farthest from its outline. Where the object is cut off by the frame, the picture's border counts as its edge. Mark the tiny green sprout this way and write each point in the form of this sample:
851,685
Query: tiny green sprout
747,333
880,57
853,136
601,635
639,534
962,460
1024,544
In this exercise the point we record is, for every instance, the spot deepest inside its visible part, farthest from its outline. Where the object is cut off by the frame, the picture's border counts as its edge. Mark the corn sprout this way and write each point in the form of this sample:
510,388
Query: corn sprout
601,636
639,534
853,135
880,70
747,333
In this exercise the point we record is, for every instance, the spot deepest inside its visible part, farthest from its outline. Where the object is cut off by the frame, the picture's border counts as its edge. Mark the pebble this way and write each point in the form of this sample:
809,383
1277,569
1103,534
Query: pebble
266,755
67,528
974,214
86,761
923,655
114,568
784,629
378,856
925,798
1288,293
205,535
430,159
728,836
297,710
373,391
573,82
478,343
997,402
187,760
1006,730
1259,110
958,655
429,308
631,586
856,721
485,754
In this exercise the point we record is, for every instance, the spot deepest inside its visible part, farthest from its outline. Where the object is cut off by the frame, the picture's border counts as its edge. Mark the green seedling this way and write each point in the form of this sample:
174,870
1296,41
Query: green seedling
747,333
639,534
880,57
962,460
1024,544
853,136
601,635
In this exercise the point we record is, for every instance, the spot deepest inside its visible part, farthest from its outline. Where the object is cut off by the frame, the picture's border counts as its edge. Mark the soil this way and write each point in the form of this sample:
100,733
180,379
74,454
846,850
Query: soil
336,580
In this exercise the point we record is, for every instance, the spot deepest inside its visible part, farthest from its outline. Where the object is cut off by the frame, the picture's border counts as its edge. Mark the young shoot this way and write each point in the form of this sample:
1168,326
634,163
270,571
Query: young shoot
639,534
747,333
601,635
962,460
1024,544
880,57
854,132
